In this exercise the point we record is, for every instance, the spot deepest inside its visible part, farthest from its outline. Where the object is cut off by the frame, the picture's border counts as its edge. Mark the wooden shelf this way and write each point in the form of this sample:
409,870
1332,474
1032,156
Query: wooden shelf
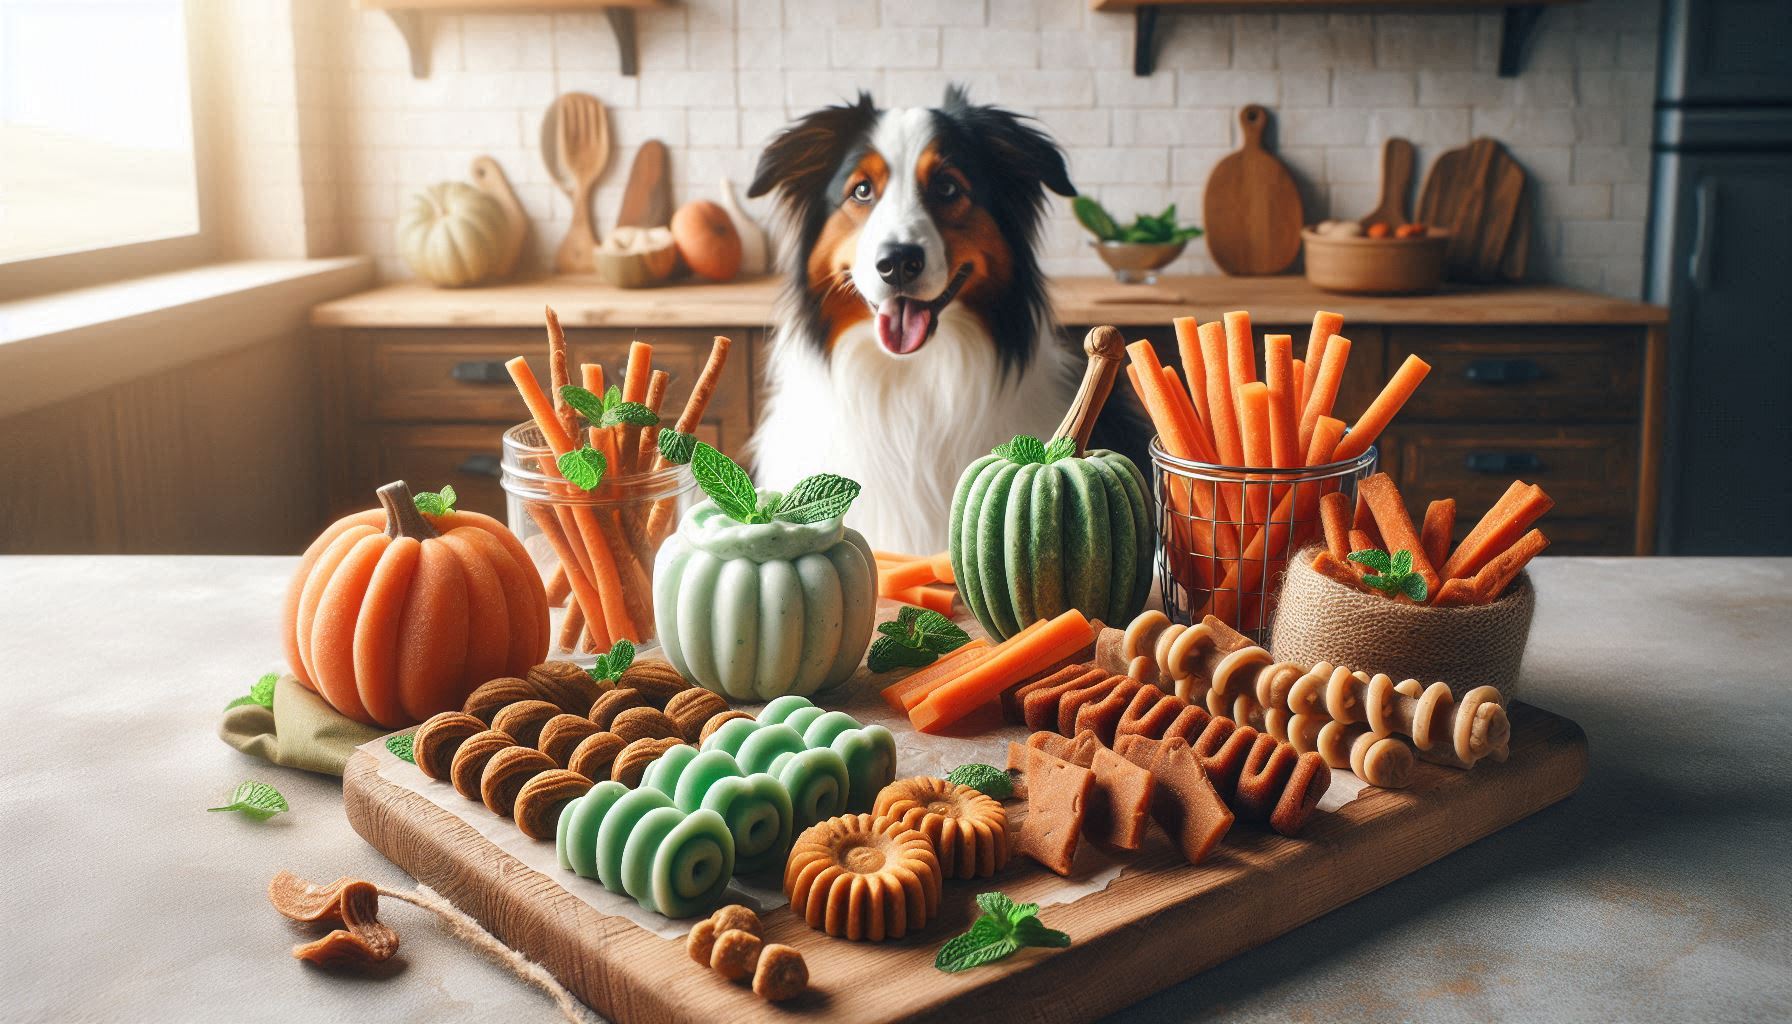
1520,19
411,17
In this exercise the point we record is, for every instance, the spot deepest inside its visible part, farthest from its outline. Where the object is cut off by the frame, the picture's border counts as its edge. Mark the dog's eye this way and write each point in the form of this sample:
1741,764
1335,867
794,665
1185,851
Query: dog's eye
862,192
947,188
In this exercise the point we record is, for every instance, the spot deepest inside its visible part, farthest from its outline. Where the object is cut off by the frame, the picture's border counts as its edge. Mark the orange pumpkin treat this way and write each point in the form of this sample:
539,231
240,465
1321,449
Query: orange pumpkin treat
1058,797
968,830
862,877
393,617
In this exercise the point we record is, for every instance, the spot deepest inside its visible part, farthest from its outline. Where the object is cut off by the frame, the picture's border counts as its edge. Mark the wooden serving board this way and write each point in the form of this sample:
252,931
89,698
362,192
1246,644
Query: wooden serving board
1160,922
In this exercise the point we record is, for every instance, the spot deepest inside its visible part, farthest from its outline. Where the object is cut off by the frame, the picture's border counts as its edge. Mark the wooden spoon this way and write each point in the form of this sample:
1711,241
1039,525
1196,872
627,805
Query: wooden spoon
582,138
1396,184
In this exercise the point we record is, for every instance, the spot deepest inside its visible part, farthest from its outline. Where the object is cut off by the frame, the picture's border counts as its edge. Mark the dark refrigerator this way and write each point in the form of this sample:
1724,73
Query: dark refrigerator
1720,257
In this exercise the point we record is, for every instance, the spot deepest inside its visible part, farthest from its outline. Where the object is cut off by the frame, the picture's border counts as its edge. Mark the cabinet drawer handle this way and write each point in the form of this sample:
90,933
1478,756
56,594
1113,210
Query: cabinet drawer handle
1497,372
480,465
1504,462
481,371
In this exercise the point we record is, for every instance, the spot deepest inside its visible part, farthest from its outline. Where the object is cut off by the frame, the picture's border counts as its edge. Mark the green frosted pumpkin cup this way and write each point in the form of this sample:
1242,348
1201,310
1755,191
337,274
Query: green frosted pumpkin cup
756,611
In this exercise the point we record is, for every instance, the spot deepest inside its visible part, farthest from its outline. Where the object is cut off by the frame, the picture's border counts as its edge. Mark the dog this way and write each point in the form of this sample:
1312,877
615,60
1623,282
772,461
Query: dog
914,333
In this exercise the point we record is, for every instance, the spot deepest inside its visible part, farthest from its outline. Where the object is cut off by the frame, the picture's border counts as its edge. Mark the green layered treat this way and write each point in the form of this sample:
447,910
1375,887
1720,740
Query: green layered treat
638,843
756,807
869,751
817,779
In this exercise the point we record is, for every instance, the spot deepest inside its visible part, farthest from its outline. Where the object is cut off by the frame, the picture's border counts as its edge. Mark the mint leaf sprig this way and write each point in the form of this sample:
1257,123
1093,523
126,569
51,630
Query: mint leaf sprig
1026,449
984,778
813,499
611,666
258,800
676,446
583,467
610,410
1393,574
436,503
1005,927
260,692
915,637
403,746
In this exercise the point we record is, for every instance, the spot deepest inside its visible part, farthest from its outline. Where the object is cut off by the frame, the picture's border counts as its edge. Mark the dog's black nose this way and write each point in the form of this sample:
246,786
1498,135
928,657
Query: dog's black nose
898,263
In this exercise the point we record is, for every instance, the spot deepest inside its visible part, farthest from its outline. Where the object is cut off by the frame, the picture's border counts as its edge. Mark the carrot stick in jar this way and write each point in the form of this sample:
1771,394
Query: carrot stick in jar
634,389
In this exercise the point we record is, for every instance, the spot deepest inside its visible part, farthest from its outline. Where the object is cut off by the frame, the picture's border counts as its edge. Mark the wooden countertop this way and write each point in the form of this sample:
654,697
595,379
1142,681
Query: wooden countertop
1287,299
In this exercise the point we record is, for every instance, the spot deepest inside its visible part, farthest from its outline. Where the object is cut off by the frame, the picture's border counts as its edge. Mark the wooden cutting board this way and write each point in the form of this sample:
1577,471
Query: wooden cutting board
1251,208
1397,161
1482,195
1162,921
488,177
647,199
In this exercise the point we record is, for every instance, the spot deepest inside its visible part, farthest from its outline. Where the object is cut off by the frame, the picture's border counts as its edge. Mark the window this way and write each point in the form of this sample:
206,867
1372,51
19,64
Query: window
96,133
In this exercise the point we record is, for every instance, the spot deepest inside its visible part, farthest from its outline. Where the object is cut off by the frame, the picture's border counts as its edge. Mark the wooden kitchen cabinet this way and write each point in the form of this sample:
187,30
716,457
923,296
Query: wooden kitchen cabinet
1551,385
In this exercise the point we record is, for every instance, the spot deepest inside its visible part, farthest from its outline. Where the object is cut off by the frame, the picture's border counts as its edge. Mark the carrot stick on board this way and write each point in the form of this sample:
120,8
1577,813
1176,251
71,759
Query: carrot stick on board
1395,525
1278,374
908,691
1434,533
1324,326
1194,369
1324,391
905,575
1013,661
1241,349
937,599
1503,568
1522,505
1219,396
1381,412
893,556
1334,517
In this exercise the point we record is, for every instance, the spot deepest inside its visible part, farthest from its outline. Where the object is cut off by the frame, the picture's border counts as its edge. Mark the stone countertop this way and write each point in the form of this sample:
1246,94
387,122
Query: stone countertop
1660,891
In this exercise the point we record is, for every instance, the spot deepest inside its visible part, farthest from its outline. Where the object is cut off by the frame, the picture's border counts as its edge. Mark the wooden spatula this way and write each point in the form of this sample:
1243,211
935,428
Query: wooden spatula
1396,184
1252,209
647,198
582,139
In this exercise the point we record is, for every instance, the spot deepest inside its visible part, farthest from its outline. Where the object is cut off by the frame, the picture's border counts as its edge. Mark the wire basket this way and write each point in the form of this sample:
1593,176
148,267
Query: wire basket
1225,533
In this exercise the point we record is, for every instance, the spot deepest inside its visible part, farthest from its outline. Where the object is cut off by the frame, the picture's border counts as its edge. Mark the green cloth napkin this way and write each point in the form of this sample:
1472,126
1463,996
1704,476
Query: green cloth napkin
301,731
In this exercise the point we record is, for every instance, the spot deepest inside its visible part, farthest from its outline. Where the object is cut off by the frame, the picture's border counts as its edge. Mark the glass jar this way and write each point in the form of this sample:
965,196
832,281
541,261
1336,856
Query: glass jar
610,534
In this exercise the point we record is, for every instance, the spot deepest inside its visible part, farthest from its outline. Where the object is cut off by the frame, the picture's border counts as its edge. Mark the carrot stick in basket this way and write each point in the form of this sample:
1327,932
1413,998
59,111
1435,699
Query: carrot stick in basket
1499,572
1361,541
1325,564
1397,531
1364,520
1241,349
1456,594
1253,423
1334,517
1381,412
1194,370
1278,374
1327,432
1324,326
1300,393
1219,396
1191,419
1324,391
1434,534
1521,506
1147,377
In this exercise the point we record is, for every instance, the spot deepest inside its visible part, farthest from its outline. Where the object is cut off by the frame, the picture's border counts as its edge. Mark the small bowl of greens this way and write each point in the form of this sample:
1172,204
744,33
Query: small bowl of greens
1136,252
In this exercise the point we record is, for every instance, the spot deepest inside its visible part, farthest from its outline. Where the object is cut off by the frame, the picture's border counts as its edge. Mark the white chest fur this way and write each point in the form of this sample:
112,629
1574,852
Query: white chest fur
904,427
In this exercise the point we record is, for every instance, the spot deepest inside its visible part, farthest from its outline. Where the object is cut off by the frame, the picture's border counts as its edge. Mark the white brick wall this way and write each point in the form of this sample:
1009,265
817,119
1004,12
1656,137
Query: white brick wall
719,76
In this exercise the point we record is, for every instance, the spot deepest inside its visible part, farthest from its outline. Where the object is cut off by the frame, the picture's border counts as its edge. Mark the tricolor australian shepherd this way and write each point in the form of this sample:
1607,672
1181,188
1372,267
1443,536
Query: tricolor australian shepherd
915,333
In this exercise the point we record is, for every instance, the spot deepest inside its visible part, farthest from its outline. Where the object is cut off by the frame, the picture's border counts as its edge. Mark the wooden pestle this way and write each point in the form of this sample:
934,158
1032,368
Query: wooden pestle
1212,663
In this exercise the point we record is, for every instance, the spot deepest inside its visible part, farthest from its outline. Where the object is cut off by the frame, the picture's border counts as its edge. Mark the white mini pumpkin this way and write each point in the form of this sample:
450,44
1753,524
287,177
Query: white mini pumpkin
452,234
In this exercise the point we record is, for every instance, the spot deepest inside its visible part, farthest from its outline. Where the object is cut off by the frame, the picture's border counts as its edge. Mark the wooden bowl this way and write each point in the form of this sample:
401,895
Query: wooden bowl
1376,266
651,263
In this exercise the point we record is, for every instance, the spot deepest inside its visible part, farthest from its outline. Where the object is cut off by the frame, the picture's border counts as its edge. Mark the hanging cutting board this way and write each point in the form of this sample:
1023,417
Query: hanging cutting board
1397,162
1251,210
647,199
1482,196
489,178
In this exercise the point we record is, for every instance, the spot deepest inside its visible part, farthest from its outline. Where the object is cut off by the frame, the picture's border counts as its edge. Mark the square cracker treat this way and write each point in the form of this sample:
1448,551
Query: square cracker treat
1184,801
1058,797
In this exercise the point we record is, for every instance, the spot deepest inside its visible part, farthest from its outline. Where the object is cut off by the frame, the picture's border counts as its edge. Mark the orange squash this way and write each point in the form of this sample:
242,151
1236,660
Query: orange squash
394,616
707,241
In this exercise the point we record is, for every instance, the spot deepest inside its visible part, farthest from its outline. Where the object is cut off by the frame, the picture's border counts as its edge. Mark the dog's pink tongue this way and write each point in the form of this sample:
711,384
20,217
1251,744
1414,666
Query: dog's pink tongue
902,325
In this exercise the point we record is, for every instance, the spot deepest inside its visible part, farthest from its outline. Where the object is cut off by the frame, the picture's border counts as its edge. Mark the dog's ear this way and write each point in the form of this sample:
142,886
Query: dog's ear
1022,150
802,157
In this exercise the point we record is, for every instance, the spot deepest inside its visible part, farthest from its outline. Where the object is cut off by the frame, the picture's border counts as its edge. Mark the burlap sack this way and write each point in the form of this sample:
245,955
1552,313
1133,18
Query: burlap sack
1320,619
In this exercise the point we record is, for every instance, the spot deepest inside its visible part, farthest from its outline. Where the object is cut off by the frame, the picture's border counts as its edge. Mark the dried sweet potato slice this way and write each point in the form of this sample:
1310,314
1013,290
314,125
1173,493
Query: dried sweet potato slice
362,940
1058,795
1183,800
